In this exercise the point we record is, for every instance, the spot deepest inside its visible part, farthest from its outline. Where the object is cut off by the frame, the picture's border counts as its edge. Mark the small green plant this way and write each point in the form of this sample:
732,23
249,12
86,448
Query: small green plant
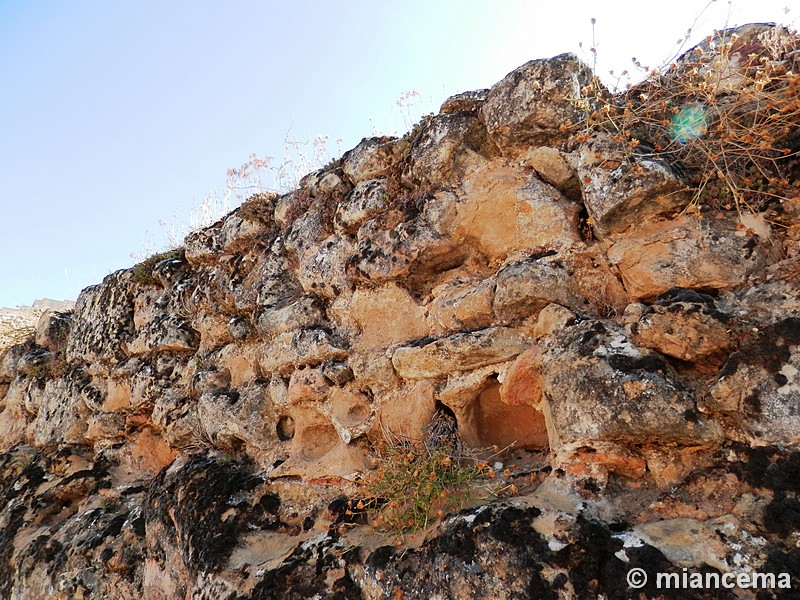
143,271
414,483
412,486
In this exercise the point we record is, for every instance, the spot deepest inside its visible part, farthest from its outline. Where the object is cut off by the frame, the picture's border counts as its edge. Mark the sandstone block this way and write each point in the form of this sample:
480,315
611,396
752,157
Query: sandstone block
551,166
702,254
686,325
597,386
504,211
459,352
531,103
385,315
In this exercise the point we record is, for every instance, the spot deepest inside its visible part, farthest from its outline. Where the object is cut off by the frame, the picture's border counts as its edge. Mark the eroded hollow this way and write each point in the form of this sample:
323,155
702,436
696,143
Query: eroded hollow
499,424
486,421
285,428
316,441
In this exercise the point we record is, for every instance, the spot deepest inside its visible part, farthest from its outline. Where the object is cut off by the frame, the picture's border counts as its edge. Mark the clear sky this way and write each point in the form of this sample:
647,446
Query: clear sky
118,115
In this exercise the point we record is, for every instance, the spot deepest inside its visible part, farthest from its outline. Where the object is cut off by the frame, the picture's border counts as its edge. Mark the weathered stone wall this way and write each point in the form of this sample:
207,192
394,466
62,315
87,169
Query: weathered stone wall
17,323
195,433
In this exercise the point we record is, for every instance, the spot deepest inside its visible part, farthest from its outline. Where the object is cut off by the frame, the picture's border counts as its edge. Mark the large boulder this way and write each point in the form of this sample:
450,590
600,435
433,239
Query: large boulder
532,103
598,387
621,189
102,322
711,253
448,148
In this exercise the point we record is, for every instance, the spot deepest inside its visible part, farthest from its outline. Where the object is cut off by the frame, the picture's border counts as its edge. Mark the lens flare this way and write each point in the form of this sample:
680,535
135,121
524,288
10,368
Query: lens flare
691,122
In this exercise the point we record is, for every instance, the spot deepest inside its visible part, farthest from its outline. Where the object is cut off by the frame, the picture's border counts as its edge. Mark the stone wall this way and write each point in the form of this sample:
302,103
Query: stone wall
17,323
197,432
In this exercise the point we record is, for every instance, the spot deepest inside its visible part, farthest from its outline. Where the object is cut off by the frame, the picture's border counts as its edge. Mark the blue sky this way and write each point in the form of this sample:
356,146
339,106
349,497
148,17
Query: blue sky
116,116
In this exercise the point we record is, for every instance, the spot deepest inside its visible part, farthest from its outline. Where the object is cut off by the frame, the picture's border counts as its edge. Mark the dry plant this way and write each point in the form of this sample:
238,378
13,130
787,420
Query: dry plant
11,335
724,116
413,483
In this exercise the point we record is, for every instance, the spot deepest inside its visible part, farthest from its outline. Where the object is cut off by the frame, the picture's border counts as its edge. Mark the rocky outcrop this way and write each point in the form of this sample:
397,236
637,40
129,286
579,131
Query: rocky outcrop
626,372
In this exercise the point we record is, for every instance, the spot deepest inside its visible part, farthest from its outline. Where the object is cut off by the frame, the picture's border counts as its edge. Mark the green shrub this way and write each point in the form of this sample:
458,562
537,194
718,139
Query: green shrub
143,271
412,486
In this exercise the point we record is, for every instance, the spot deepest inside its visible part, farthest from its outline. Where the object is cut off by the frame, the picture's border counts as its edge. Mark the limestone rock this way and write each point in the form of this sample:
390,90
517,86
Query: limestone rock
63,415
461,305
166,333
35,362
53,329
103,320
373,158
169,271
628,390
311,346
522,384
390,250
406,411
621,189
701,254
238,233
367,199
528,107
9,361
203,245
598,386
307,311
524,288
469,102
230,417
458,352
686,542
324,269
484,418
686,325
760,384
449,147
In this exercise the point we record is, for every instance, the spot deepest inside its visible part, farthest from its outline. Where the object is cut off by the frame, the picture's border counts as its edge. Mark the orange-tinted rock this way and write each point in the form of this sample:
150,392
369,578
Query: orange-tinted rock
702,254
522,384
505,212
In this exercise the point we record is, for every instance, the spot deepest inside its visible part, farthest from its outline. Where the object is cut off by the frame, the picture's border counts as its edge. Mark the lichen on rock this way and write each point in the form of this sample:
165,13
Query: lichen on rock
620,363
